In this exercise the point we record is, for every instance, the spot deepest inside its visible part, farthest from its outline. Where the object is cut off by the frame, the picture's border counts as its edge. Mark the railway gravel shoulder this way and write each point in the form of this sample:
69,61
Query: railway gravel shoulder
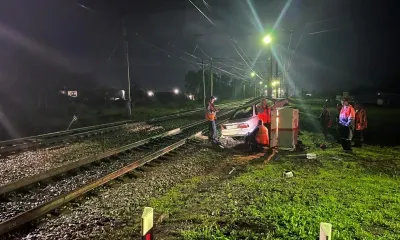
29,163
119,205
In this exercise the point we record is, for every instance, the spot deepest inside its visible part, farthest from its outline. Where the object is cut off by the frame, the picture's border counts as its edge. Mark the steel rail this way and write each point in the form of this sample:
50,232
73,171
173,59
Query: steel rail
44,208
84,129
38,141
9,187
47,207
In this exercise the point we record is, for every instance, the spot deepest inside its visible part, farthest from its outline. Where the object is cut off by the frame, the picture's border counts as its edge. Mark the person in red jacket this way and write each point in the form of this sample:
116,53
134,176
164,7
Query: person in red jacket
360,125
264,114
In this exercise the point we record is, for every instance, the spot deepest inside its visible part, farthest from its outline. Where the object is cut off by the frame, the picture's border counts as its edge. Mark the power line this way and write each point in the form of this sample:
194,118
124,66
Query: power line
324,31
202,13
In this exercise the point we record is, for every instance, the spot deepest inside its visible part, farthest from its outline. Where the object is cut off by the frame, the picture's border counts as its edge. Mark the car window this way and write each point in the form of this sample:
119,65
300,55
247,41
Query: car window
243,113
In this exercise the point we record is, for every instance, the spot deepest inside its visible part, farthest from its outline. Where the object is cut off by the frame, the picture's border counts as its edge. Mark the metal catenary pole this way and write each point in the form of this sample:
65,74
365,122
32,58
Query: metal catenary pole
204,84
211,77
255,88
125,35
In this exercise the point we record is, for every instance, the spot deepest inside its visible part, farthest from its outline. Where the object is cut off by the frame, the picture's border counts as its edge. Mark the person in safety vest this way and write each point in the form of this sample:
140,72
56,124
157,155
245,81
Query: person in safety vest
258,138
346,124
264,114
361,124
211,117
325,120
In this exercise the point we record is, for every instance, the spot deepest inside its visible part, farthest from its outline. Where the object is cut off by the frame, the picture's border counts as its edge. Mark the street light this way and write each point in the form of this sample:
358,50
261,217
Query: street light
252,74
267,39
176,91
261,82
150,93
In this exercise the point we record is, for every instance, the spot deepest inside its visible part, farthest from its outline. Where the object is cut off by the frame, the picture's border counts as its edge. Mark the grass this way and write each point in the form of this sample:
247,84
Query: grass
358,193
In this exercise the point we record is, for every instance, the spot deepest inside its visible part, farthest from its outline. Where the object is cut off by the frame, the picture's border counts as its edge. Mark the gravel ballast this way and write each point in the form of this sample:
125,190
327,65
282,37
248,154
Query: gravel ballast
32,162
121,204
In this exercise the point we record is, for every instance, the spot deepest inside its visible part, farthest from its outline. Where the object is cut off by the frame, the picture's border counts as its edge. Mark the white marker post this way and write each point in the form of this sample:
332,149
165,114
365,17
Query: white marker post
325,231
147,224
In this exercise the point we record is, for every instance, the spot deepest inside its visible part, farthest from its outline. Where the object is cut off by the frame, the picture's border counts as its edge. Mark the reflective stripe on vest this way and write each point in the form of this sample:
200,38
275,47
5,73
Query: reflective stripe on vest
262,135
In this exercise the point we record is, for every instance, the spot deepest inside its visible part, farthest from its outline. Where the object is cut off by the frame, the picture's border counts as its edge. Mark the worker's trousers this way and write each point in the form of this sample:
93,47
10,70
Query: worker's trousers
358,138
346,134
212,132
324,129
251,142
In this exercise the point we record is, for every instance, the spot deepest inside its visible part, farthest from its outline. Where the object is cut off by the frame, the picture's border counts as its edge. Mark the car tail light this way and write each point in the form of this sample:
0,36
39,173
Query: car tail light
243,125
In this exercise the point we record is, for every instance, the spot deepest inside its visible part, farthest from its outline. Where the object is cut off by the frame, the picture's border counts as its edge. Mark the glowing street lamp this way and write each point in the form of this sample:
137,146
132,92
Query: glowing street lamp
275,83
176,91
252,74
267,39
150,93
261,82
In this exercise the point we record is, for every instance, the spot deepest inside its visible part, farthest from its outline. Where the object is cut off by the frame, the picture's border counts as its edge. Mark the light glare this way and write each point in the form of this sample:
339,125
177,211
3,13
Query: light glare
267,39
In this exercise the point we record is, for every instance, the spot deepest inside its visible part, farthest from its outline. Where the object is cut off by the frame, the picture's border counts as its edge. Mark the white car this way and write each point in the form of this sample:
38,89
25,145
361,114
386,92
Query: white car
245,120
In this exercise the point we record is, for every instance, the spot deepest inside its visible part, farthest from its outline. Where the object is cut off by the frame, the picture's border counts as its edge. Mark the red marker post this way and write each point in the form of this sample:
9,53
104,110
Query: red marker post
147,224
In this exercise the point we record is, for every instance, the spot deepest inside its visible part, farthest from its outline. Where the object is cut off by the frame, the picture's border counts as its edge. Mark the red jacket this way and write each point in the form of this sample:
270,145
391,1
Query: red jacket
265,115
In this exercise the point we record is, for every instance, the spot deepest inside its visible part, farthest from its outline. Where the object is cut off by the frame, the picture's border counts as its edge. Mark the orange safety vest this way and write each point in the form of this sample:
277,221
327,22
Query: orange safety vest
210,112
210,116
361,120
262,135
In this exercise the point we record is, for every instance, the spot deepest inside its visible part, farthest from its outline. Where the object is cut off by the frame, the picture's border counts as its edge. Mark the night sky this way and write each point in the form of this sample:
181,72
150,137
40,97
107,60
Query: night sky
80,36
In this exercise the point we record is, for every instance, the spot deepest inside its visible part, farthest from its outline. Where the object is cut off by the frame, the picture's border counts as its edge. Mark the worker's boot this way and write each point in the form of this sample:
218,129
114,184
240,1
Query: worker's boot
348,146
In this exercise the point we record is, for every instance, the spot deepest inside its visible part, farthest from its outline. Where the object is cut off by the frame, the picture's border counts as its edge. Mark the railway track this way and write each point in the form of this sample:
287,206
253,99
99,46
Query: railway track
46,140
32,197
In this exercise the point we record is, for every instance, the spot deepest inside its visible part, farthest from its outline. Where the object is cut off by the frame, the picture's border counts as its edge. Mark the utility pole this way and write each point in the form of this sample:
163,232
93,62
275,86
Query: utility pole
125,35
286,69
233,87
244,91
204,84
211,77
255,88
269,89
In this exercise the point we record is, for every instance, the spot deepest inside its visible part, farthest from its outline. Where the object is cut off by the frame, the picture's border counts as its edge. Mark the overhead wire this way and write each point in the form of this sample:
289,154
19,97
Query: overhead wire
301,37
202,13
259,72
251,68
191,55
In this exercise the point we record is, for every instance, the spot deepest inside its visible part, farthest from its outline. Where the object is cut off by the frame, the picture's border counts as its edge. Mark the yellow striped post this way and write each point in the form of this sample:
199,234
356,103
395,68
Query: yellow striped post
147,224
325,231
